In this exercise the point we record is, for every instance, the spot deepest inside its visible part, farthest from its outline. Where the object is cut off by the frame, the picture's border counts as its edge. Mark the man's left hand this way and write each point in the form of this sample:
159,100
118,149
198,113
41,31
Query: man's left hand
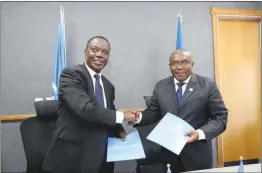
123,135
194,136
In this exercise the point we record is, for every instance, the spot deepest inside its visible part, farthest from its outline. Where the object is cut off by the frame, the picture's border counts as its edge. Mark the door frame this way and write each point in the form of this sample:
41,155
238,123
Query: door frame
233,14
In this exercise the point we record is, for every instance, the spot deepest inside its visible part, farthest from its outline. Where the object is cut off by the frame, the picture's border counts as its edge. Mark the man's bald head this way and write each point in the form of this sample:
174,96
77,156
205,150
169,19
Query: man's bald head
181,64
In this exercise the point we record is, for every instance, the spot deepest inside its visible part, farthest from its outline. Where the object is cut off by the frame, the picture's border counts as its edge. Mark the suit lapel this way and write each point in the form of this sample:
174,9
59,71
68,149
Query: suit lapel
91,90
190,89
172,90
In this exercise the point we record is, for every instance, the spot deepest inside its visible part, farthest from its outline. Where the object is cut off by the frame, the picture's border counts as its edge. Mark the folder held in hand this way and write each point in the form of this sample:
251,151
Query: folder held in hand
130,149
170,133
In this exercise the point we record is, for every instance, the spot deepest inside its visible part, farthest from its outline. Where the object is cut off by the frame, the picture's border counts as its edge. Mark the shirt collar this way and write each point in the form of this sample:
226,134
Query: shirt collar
185,81
92,72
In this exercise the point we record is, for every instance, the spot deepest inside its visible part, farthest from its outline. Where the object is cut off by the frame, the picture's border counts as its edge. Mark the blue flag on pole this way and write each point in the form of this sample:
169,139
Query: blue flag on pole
60,55
179,38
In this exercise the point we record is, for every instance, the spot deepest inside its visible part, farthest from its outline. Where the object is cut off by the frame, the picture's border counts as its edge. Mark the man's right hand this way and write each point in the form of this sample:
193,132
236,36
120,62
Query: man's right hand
131,116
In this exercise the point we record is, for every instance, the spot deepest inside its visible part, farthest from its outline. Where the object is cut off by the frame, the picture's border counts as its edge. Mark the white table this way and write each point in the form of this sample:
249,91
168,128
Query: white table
247,168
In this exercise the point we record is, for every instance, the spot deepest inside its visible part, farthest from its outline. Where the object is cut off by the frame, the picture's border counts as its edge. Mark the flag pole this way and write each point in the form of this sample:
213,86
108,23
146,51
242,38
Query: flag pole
179,14
62,17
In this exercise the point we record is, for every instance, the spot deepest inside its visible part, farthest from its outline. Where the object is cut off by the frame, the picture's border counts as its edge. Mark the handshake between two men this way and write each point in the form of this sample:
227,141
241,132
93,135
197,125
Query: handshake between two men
132,117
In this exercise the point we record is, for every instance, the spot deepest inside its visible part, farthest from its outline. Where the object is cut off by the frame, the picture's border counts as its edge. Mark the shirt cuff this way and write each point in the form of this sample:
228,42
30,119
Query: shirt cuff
139,119
201,134
119,117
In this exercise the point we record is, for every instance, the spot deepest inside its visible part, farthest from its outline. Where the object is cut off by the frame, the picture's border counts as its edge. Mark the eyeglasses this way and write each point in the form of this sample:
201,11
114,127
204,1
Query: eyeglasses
177,63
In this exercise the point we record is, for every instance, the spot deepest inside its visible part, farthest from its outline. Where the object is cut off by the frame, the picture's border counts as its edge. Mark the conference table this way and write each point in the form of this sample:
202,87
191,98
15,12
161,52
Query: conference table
247,168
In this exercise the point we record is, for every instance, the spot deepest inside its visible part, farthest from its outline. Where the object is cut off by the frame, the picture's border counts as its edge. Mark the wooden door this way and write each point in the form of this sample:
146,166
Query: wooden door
238,75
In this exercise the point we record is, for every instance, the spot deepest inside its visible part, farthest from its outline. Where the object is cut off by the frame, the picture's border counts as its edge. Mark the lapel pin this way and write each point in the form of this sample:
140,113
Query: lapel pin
191,89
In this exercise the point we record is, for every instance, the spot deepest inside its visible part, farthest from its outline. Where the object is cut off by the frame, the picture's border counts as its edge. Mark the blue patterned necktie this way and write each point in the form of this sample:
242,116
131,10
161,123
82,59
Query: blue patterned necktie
179,93
99,91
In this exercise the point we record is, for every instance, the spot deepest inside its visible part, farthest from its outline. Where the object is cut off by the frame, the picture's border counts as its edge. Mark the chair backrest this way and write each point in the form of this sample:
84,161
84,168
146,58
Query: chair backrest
147,100
37,133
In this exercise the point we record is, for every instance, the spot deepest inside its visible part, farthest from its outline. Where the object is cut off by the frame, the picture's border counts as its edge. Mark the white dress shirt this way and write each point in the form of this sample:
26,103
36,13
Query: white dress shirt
119,115
200,132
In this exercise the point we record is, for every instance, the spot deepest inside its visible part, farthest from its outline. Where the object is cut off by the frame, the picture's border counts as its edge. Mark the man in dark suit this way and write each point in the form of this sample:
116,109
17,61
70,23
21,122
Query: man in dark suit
87,116
197,100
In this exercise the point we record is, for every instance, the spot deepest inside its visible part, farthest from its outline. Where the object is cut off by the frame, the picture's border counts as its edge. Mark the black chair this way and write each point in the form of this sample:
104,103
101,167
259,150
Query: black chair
37,132
147,100
152,150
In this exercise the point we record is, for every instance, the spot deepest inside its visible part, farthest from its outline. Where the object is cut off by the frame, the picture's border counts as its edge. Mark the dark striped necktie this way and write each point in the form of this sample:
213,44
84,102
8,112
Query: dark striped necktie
179,92
99,91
